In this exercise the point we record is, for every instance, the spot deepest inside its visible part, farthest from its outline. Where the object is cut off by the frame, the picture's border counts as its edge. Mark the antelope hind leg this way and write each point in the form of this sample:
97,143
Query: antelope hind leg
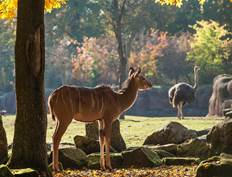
107,143
60,130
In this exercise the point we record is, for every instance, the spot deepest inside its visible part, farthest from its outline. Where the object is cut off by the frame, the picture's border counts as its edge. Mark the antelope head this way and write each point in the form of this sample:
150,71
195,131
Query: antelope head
140,81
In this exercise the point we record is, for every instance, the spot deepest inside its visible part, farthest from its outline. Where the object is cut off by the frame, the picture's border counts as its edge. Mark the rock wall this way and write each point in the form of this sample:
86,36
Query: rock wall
149,103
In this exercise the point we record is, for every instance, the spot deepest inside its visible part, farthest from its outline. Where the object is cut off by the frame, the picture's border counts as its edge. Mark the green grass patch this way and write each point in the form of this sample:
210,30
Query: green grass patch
134,129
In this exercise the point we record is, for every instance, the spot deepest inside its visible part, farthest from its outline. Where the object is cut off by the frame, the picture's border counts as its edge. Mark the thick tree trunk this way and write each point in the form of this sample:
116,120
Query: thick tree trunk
29,144
3,143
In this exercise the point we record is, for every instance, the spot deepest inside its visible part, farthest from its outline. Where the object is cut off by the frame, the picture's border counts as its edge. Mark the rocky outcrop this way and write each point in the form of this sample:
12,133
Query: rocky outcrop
88,145
181,160
222,91
71,158
217,166
117,141
174,132
220,138
141,157
194,148
93,160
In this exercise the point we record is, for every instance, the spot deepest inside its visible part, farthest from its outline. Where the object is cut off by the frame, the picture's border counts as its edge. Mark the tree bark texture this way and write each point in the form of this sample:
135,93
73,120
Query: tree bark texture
29,143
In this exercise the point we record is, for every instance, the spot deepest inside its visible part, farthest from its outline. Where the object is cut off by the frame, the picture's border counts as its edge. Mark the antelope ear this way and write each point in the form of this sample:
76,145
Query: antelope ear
131,71
137,72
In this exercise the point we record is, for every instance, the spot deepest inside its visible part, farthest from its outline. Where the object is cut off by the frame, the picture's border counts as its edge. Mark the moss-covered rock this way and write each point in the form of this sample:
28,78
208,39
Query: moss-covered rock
180,160
26,172
217,166
161,152
88,145
71,158
171,148
141,157
194,148
5,171
174,132
93,160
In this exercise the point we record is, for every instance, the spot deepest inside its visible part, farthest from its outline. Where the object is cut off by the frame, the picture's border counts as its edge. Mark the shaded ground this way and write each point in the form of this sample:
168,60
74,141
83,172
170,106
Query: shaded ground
134,129
163,171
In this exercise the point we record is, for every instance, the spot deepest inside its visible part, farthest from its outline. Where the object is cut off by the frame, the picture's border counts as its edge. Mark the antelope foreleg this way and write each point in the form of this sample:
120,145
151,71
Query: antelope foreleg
102,144
107,143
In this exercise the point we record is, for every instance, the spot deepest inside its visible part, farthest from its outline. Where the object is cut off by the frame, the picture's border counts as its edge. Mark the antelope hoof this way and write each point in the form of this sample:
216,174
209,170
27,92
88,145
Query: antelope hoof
103,167
109,167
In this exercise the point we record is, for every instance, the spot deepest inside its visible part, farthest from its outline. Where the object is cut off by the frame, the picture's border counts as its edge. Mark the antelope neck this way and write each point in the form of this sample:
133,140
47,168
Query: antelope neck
128,96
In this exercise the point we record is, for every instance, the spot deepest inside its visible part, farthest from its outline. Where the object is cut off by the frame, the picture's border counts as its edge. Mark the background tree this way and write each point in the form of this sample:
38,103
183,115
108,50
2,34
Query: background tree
211,49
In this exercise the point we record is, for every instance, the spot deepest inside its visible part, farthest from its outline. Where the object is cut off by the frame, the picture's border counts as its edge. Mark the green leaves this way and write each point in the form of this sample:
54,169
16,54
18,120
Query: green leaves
210,44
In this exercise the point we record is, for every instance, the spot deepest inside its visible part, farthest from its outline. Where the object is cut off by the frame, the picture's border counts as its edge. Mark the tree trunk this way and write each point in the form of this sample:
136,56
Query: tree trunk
29,144
3,143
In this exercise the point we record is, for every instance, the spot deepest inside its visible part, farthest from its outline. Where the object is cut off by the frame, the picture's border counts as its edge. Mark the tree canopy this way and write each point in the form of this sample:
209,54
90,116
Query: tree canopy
8,7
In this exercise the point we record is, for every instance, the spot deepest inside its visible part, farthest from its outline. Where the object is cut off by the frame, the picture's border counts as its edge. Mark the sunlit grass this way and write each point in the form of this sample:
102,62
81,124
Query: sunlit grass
134,129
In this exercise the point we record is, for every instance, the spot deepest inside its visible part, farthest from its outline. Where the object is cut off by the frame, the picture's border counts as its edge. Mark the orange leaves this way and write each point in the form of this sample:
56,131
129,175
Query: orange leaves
8,8
163,171
53,4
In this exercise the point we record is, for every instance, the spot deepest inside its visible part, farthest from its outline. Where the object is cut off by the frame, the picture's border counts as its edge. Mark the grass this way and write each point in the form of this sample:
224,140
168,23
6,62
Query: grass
134,129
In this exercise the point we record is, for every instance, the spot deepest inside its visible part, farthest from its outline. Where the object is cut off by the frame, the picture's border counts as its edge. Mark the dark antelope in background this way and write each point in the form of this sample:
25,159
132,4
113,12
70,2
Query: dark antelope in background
183,93
91,104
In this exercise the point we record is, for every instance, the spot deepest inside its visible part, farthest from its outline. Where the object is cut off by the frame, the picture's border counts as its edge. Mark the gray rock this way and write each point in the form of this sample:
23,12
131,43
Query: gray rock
180,160
71,157
171,148
141,157
174,132
117,141
162,153
220,138
194,148
88,145
217,166
93,160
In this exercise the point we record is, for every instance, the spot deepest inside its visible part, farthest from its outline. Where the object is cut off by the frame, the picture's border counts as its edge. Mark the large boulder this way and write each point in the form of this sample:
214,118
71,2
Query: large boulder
174,132
160,150
220,138
141,157
71,158
222,90
93,160
194,148
5,171
171,148
217,166
88,145
180,160
117,141
3,143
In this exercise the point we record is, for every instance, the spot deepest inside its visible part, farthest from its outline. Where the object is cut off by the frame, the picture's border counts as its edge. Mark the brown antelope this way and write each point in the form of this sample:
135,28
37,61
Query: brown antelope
91,104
